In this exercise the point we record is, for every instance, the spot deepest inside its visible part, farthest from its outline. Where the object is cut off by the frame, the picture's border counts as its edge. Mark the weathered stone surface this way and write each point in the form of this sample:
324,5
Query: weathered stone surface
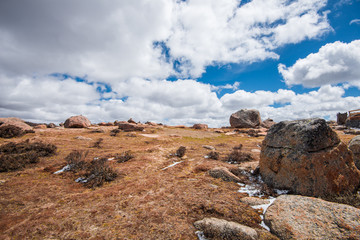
268,123
353,122
298,217
214,228
341,118
131,121
245,118
200,126
307,157
51,125
130,127
354,146
77,122
40,126
15,122
224,174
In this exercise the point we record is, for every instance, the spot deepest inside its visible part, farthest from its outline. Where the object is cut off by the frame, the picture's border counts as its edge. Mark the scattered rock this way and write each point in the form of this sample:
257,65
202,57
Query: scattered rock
352,131
180,152
268,123
131,121
255,150
104,124
40,126
77,122
97,130
83,138
354,146
353,122
15,122
214,228
200,126
219,131
254,201
208,147
174,135
130,127
245,118
180,126
298,217
151,123
224,174
307,157
341,118
51,125
340,128
230,133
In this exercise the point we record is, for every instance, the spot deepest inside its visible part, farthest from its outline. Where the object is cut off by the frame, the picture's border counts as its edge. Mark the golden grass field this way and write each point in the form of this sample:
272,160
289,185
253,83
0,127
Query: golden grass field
144,202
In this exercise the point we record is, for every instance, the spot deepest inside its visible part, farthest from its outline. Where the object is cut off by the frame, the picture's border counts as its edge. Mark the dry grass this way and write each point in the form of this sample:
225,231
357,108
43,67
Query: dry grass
145,203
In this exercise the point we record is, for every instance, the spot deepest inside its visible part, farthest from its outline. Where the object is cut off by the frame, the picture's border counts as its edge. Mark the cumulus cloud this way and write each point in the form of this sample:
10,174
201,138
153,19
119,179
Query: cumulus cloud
124,50
356,21
334,63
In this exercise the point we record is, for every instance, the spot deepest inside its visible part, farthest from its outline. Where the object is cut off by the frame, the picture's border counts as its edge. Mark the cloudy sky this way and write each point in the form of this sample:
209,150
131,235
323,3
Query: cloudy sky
178,62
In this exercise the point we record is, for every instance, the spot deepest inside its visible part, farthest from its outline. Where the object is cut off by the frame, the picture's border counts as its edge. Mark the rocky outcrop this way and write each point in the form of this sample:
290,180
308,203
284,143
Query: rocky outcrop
307,157
354,146
51,125
41,126
17,122
268,123
130,127
200,126
353,122
131,121
245,118
298,217
77,122
214,228
341,118
224,174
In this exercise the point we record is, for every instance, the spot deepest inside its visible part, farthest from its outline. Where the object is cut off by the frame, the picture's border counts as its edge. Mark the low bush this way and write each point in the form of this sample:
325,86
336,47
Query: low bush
124,157
15,156
11,131
213,155
94,173
180,152
236,156
98,142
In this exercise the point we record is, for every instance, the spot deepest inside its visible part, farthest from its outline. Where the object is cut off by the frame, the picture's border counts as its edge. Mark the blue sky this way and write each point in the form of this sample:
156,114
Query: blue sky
178,62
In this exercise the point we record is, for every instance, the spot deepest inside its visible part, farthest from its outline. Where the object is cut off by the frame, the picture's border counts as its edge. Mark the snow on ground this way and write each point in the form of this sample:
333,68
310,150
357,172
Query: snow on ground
175,163
64,169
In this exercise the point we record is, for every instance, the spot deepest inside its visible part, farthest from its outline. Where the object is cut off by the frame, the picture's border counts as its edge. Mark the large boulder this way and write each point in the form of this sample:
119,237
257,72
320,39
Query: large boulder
268,123
214,228
17,122
298,217
200,126
353,122
77,122
308,158
245,118
354,146
341,118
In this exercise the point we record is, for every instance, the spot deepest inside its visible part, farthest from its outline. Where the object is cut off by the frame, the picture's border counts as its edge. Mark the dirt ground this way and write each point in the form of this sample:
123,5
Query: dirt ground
149,199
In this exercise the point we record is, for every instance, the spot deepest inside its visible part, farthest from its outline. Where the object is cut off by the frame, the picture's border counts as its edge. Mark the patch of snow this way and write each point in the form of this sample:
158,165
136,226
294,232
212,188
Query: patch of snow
66,168
251,190
200,235
175,163
110,159
264,207
81,180
206,156
281,192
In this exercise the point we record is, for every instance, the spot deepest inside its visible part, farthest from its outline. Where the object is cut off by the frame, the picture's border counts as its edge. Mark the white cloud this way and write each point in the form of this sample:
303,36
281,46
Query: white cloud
356,21
334,63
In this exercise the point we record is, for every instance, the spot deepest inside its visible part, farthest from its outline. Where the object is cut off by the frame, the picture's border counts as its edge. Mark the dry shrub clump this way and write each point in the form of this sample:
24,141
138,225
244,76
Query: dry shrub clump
180,152
213,155
124,157
11,131
349,198
15,156
237,156
94,173
98,142
114,132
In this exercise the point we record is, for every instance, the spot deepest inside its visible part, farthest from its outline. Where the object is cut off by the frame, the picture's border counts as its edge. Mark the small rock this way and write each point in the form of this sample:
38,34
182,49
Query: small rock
131,121
224,174
51,125
230,133
129,127
200,126
245,118
268,123
173,135
354,146
208,147
83,138
214,228
255,150
298,217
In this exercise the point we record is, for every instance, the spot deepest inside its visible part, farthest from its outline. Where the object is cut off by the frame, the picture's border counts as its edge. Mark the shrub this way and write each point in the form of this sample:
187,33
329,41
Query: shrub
236,156
180,152
97,143
11,131
349,198
15,156
95,172
213,155
124,157
114,132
